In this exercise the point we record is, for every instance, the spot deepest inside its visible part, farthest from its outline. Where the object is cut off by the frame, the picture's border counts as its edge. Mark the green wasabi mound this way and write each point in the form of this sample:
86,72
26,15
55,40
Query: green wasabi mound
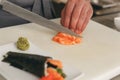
23,43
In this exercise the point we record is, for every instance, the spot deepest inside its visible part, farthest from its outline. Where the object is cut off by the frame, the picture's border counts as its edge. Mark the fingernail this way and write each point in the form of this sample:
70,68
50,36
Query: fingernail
78,32
72,30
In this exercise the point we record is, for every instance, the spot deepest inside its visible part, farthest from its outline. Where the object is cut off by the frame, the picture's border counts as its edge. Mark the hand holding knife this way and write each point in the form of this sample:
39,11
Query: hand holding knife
32,17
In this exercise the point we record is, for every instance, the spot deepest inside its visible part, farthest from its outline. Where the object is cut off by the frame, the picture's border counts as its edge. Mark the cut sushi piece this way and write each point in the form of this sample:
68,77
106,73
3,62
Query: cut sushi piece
35,64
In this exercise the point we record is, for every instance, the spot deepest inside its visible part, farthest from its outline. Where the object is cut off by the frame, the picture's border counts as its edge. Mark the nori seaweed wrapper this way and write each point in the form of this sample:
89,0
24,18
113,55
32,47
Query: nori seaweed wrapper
32,63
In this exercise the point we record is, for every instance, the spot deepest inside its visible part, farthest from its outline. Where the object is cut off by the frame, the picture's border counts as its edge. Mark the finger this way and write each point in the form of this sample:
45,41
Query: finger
85,24
75,15
68,11
82,18
88,0
62,16
90,12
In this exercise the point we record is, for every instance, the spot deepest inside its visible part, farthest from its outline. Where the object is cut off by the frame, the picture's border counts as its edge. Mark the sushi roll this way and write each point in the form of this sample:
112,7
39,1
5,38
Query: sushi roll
38,65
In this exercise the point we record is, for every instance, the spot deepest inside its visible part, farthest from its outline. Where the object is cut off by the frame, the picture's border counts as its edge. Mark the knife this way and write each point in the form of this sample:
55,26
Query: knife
33,17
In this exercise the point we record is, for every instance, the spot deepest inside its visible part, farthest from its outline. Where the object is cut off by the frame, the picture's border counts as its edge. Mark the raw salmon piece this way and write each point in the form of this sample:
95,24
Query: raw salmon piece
66,39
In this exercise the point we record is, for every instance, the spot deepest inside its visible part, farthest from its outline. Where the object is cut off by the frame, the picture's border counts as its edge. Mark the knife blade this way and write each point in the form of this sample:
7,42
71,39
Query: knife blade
33,17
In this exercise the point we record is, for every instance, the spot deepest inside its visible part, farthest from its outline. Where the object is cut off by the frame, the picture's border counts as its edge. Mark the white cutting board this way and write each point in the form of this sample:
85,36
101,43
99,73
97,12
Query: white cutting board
97,56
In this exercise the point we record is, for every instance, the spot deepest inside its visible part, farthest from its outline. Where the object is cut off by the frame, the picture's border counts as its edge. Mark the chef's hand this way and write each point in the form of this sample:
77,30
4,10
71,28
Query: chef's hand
76,15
